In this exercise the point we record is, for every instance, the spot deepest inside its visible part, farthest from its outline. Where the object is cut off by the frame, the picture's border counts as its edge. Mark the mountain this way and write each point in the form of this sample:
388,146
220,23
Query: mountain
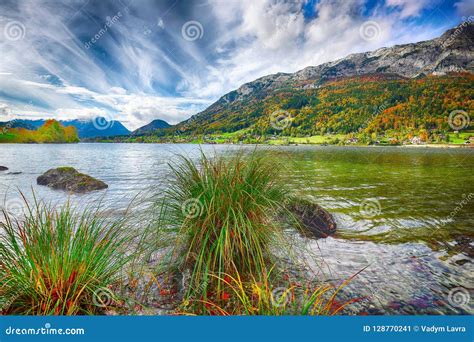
26,124
152,126
429,79
97,127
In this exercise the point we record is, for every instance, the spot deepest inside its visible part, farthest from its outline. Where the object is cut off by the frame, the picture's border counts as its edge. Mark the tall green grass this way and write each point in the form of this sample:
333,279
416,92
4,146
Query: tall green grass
229,213
225,209
58,261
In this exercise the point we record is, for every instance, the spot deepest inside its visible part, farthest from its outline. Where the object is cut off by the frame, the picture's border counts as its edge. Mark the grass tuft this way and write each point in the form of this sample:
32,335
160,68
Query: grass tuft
58,262
292,297
225,208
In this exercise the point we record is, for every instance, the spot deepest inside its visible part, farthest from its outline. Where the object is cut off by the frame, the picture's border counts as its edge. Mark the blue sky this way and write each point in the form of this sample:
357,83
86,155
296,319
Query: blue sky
135,61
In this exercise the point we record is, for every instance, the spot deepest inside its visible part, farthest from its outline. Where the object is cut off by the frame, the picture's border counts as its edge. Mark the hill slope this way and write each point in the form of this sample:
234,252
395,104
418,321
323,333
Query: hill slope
51,131
415,85
152,126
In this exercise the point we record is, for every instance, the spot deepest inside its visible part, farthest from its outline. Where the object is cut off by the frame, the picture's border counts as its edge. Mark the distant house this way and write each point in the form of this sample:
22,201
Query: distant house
415,141
353,140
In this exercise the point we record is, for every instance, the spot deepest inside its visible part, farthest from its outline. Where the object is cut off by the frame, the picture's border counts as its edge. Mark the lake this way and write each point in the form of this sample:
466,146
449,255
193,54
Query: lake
404,213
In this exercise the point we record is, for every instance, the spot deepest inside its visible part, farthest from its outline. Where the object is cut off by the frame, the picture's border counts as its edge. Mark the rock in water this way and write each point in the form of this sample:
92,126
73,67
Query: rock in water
313,218
69,179
3,168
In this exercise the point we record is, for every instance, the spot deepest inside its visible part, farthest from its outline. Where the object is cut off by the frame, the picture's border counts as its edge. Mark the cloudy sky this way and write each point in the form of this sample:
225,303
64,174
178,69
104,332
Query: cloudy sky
135,61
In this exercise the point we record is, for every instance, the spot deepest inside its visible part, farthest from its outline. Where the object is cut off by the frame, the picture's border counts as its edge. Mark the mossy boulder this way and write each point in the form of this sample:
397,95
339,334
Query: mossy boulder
314,220
69,179
3,168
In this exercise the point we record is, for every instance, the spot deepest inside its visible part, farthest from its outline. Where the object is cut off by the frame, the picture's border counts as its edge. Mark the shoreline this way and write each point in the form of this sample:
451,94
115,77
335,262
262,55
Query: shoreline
244,144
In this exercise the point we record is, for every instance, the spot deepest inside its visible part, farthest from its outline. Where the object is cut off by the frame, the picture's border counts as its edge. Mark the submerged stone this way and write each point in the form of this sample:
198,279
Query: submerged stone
314,219
69,179
3,168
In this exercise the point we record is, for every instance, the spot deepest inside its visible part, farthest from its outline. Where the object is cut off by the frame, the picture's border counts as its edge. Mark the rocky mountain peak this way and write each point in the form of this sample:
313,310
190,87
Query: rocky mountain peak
452,52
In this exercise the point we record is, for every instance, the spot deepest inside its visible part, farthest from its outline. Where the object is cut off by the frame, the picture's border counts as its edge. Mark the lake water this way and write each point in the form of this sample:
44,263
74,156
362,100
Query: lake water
404,213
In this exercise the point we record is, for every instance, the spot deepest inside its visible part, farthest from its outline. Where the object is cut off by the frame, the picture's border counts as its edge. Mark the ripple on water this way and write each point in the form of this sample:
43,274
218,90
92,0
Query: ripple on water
417,190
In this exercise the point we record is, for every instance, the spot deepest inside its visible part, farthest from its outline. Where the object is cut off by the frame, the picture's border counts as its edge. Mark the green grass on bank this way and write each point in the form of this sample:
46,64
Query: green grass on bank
314,140
460,138
58,261
245,136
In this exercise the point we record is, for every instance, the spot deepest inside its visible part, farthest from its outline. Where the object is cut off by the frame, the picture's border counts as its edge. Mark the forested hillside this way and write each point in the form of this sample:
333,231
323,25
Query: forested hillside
364,105
51,132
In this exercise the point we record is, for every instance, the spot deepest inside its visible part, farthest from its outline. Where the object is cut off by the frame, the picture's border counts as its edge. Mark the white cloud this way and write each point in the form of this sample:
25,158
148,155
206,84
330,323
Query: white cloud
264,37
465,7
411,8
138,77
5,112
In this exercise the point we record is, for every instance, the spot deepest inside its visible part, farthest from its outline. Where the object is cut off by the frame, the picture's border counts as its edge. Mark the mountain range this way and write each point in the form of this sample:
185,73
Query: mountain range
94,128
354,92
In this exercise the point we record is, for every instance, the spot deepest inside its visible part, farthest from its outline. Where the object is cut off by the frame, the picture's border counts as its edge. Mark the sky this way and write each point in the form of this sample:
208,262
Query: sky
139,60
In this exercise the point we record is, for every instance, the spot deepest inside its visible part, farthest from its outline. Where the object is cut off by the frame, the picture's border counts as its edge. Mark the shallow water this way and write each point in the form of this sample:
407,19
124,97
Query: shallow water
405,214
